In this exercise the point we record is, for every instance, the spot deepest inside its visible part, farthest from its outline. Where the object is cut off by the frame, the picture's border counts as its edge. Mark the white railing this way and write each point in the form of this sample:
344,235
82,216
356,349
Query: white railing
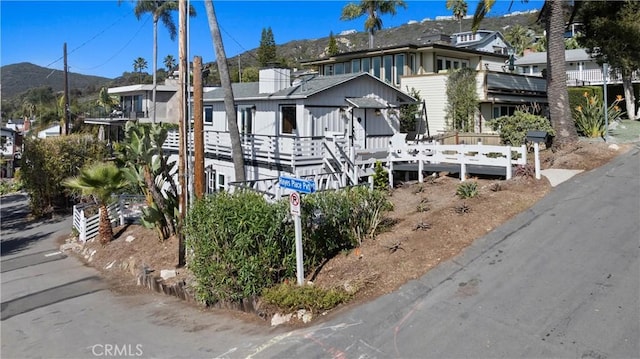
126,208
594,77
461,155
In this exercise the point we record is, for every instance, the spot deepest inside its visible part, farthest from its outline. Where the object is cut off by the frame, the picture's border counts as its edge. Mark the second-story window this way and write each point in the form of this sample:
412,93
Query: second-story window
376,64
366,65
399,68
388,66
208,115
339,68
355,65
246,120
288,115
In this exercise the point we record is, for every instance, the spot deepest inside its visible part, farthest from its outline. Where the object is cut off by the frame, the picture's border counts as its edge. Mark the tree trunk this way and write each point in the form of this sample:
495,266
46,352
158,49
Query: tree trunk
225,79
105,231
629,98
155,65
557,93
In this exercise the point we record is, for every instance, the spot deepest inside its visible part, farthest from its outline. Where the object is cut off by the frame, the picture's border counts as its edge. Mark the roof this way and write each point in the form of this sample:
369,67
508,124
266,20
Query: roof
365,102
301,90
541,57
483,40
396,49
141,87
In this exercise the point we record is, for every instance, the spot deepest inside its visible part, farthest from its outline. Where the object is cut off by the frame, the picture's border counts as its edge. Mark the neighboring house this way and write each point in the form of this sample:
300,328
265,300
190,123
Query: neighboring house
426,67
52,131
8,139
582,69
136,102
482,40
312,125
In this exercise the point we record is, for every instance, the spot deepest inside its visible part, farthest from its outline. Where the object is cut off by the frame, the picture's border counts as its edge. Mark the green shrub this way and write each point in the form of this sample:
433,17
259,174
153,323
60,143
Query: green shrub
513,129
589,116
467,190
380,177
240,244
47,162
292,297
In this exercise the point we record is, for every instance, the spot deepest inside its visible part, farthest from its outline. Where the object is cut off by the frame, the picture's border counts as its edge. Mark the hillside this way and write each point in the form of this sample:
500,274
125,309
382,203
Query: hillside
18,78
295,51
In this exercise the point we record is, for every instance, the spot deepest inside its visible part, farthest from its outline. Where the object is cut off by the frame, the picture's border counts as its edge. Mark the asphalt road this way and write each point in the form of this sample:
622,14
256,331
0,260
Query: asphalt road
561,280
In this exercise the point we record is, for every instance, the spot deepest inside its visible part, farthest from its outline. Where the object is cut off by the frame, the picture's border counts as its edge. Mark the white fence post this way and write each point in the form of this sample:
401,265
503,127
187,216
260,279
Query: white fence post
121,209
536,156
83,227
509,165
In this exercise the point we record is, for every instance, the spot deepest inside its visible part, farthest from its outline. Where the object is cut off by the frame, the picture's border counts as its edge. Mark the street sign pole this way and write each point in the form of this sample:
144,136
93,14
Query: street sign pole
297,221
294,203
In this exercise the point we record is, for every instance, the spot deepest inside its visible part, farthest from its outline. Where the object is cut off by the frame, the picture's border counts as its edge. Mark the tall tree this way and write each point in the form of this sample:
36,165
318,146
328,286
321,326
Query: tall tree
459,9
520,38
332,47
612,35
169,64
160,10
139,64
100,181
229,103
372,9
553,16
267,49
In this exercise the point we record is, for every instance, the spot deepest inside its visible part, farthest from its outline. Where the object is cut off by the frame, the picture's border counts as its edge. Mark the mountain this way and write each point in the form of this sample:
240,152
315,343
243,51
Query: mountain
18,78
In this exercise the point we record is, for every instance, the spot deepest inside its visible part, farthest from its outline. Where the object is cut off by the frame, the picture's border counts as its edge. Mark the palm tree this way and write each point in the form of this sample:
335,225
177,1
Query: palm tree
161,11
520,38
99,180
225,79
459,9
552,14
106,101
372,9
139,64
169,64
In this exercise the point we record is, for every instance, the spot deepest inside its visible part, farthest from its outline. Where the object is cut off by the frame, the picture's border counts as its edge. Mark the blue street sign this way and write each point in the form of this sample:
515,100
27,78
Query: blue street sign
296,184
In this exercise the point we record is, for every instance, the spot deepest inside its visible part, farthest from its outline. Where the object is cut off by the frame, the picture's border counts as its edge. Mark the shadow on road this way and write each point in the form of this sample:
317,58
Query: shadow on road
15,245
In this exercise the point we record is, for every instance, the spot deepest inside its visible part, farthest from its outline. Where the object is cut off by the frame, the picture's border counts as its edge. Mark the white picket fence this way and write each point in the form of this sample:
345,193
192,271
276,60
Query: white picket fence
127,207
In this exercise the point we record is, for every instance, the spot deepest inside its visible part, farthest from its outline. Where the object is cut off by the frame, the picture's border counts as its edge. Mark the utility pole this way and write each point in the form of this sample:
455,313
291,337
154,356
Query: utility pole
182,121
198,128
65,128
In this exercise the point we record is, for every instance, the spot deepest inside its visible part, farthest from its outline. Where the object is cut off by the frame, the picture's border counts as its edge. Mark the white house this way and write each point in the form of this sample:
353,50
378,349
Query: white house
8,139
312,125
582,69
482,40
426,67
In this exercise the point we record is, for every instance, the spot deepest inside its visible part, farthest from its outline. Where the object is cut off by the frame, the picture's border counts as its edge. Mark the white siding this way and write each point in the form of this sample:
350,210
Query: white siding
433,90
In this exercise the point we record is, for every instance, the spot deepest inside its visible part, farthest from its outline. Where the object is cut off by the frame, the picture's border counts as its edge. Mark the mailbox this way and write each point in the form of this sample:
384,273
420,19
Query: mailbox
537,136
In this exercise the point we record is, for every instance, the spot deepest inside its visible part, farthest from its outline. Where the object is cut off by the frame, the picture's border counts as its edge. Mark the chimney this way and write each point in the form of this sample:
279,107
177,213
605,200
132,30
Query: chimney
273,80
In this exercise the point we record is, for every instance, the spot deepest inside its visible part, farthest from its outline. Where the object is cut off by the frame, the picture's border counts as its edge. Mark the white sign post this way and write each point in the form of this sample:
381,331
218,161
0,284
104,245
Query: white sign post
294,203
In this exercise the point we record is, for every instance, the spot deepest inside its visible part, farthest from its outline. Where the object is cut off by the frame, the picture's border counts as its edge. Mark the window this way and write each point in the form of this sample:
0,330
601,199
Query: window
328,70
376,65
445,63
366,65
399,68
339,69
412,64
208,115
355,65
221,186
347,67
211,179
246,120
388,67
288,114
503,110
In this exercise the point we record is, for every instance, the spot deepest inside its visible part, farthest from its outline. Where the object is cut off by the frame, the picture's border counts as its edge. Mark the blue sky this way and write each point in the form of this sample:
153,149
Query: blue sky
103,38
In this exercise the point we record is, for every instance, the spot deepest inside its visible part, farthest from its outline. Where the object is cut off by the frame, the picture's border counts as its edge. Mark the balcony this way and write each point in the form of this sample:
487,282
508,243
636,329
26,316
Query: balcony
594,77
